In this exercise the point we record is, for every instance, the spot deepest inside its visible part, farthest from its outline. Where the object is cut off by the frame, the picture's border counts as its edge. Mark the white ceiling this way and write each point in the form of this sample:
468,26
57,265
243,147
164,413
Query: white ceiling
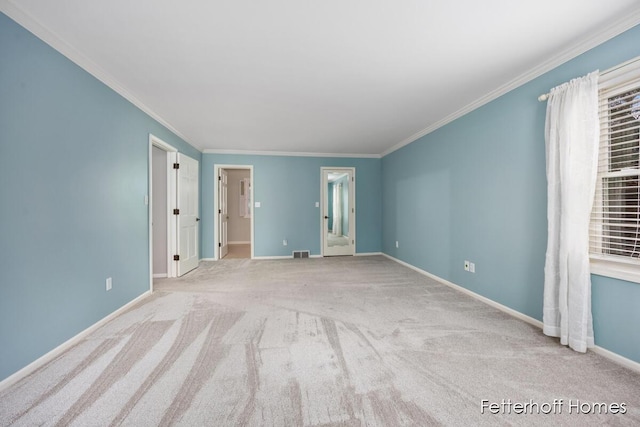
348,76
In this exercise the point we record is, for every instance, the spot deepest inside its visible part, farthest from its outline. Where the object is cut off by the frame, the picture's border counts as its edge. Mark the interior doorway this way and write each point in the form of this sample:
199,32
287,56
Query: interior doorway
173,211
160,211
234,208
338,211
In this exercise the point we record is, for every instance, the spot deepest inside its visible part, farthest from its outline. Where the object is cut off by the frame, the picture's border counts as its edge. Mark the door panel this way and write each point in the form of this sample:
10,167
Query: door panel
187,194
338,226
223,213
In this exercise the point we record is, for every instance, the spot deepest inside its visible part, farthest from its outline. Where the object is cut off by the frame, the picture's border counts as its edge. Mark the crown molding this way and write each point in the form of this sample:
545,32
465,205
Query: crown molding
613,30
52,39
26,20
290,153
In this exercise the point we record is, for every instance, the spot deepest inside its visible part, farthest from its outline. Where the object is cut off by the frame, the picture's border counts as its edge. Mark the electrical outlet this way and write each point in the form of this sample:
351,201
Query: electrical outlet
472,267
108,283
466,266
284,242
397,244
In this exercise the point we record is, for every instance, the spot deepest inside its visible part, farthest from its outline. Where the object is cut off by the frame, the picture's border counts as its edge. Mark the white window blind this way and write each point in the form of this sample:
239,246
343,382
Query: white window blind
615,218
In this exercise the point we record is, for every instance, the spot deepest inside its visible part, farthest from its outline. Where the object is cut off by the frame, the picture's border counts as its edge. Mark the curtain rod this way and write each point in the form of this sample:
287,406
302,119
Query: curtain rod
545,96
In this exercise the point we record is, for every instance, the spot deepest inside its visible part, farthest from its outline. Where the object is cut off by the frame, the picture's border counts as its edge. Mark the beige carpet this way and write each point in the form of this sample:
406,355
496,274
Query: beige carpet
349,341
333,240
238,250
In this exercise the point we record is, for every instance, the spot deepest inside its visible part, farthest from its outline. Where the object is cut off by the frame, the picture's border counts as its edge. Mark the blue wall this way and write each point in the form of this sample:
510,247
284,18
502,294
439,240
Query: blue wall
73,174
475,190
288,188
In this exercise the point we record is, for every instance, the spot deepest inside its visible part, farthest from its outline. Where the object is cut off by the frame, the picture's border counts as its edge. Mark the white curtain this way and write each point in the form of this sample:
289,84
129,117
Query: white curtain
571,136
337,210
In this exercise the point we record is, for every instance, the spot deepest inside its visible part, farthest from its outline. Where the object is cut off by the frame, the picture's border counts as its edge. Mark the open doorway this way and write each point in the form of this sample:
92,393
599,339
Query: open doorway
162,225
234,207
160,212
173,211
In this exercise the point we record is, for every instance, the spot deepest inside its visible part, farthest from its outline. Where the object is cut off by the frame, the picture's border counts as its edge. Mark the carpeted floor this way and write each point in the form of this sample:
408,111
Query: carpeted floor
238,250
334,240
347,341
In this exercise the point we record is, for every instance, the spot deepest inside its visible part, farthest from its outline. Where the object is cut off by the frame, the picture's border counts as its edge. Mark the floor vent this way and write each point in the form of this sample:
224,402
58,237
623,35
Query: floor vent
301,254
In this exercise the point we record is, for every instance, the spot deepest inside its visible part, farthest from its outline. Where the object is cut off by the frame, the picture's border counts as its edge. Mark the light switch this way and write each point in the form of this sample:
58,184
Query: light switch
317,204
257,204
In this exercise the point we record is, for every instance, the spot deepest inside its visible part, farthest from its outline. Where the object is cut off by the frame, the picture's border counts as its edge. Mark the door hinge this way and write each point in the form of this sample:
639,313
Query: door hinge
219,178
219,211
176,165
176,211
176,257
219,245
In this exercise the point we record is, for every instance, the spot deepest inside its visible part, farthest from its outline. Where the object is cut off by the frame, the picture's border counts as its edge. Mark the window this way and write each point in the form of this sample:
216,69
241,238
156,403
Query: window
615,218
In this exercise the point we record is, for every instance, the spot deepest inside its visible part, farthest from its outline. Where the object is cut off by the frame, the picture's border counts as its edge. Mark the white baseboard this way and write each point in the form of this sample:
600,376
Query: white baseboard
160,275
48,357
614,357
208,259
239,243
486,300
282,257
273,257
318,256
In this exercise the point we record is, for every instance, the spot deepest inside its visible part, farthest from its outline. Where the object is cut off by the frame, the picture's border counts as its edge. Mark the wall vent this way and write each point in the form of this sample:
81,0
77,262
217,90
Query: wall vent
301,254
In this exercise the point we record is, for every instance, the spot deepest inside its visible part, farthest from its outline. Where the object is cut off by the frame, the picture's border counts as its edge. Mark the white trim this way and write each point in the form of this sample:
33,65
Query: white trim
272,257
614,357
617,269
216,172
290,153
160,276
348,171
367,253
617,28
34,26
263,258
154,141
238,243
48,357
208,259
479,297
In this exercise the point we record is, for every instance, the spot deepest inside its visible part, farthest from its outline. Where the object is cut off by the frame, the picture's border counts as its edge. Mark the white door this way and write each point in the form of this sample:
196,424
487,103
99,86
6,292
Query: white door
187,218
223,213
338,211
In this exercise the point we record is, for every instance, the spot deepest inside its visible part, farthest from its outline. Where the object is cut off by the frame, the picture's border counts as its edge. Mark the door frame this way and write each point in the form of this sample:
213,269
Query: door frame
172,155
352,206
216,225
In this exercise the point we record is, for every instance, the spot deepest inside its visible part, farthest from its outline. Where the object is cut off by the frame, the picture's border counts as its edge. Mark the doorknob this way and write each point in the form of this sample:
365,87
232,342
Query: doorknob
197,219
326,217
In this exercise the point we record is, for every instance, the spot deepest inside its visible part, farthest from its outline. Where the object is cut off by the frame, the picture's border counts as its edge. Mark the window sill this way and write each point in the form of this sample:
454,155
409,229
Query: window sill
617,269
